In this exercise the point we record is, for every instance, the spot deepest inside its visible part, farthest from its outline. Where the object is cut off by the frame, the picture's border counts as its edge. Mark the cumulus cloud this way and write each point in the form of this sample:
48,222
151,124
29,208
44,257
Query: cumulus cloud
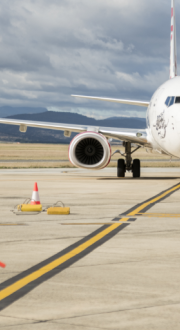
111,48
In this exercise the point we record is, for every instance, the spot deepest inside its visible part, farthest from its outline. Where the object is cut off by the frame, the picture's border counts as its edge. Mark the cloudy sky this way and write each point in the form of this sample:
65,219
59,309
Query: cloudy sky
111,48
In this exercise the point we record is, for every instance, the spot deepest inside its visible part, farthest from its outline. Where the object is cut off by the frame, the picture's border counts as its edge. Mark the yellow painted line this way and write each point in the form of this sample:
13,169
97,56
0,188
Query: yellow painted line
141,207
35,275
52,265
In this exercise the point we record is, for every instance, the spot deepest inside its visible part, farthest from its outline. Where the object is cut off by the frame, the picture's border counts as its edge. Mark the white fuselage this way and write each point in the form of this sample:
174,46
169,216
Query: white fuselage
163,120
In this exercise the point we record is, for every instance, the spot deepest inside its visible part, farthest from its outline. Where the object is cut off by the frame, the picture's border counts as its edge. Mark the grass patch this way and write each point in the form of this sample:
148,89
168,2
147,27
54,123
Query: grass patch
13,152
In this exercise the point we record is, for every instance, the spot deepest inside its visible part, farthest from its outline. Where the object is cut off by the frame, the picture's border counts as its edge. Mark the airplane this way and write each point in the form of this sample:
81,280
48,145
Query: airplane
91,149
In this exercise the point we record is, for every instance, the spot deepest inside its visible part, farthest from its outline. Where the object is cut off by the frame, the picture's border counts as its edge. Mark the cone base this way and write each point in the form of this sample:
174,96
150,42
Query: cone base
34,203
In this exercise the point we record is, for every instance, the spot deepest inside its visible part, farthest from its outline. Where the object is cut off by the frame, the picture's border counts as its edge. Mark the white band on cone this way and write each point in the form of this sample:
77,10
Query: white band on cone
35,196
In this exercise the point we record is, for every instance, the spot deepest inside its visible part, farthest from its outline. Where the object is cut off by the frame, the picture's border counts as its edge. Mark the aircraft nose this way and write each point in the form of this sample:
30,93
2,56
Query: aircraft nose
176,111
175,118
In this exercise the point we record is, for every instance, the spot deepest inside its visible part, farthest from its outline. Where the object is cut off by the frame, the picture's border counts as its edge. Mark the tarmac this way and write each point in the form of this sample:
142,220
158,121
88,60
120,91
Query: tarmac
113,263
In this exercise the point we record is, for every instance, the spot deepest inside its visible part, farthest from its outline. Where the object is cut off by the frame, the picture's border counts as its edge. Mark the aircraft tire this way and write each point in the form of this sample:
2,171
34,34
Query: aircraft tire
121,168
136,168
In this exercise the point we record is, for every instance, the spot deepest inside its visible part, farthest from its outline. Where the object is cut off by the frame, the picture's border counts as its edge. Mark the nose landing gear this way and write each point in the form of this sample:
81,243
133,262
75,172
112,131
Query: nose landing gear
127,164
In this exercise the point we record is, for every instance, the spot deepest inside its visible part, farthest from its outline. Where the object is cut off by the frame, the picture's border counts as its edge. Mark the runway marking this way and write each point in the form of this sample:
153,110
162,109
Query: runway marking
15,288
30,278
18,286
145,206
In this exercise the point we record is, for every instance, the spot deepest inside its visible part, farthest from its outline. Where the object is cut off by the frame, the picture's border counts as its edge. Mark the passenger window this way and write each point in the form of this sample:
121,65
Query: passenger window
167,101
171,101
177,99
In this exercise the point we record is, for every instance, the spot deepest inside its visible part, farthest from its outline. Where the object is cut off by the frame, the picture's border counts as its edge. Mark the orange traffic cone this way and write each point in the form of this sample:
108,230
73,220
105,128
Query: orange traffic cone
2,265
35,195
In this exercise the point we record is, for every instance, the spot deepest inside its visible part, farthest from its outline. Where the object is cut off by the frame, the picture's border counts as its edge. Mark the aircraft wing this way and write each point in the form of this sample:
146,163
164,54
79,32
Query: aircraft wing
130,102
128,135
47,125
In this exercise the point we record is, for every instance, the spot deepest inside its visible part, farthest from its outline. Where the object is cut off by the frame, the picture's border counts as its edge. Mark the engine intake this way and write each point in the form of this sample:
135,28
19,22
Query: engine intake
90,150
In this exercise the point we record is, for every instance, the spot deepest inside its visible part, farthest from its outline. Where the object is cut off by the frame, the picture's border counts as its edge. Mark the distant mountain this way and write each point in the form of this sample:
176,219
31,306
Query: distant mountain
11,133
12,111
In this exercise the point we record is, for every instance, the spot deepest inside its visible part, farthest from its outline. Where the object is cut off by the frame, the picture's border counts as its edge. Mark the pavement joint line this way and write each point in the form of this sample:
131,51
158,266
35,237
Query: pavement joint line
12,224
161,214
154,215
90,223
18,286
158,215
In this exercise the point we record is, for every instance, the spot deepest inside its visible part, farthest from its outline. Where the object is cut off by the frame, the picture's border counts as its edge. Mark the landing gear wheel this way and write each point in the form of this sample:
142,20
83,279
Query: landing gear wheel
136,168
121,168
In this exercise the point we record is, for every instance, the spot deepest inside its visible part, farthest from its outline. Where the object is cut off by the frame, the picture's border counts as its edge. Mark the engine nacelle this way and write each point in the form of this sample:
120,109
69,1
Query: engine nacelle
90,150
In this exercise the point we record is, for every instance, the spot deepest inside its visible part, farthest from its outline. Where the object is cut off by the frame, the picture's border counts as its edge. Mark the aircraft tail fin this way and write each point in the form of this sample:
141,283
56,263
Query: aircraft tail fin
173,49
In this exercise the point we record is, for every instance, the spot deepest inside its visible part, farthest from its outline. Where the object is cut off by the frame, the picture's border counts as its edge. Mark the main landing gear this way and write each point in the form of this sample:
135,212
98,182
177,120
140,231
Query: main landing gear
127,164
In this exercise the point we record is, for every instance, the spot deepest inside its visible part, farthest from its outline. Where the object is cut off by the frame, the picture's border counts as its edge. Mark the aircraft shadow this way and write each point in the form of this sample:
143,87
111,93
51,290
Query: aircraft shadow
144,178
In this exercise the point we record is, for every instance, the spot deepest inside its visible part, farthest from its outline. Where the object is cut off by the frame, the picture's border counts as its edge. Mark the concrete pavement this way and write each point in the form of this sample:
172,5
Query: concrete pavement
130,280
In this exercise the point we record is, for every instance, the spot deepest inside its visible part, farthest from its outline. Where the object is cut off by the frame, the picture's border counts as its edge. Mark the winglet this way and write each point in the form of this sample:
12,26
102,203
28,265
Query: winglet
173,49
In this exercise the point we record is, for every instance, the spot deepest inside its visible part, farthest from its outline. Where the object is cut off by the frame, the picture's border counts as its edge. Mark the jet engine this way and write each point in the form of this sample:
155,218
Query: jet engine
90,150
